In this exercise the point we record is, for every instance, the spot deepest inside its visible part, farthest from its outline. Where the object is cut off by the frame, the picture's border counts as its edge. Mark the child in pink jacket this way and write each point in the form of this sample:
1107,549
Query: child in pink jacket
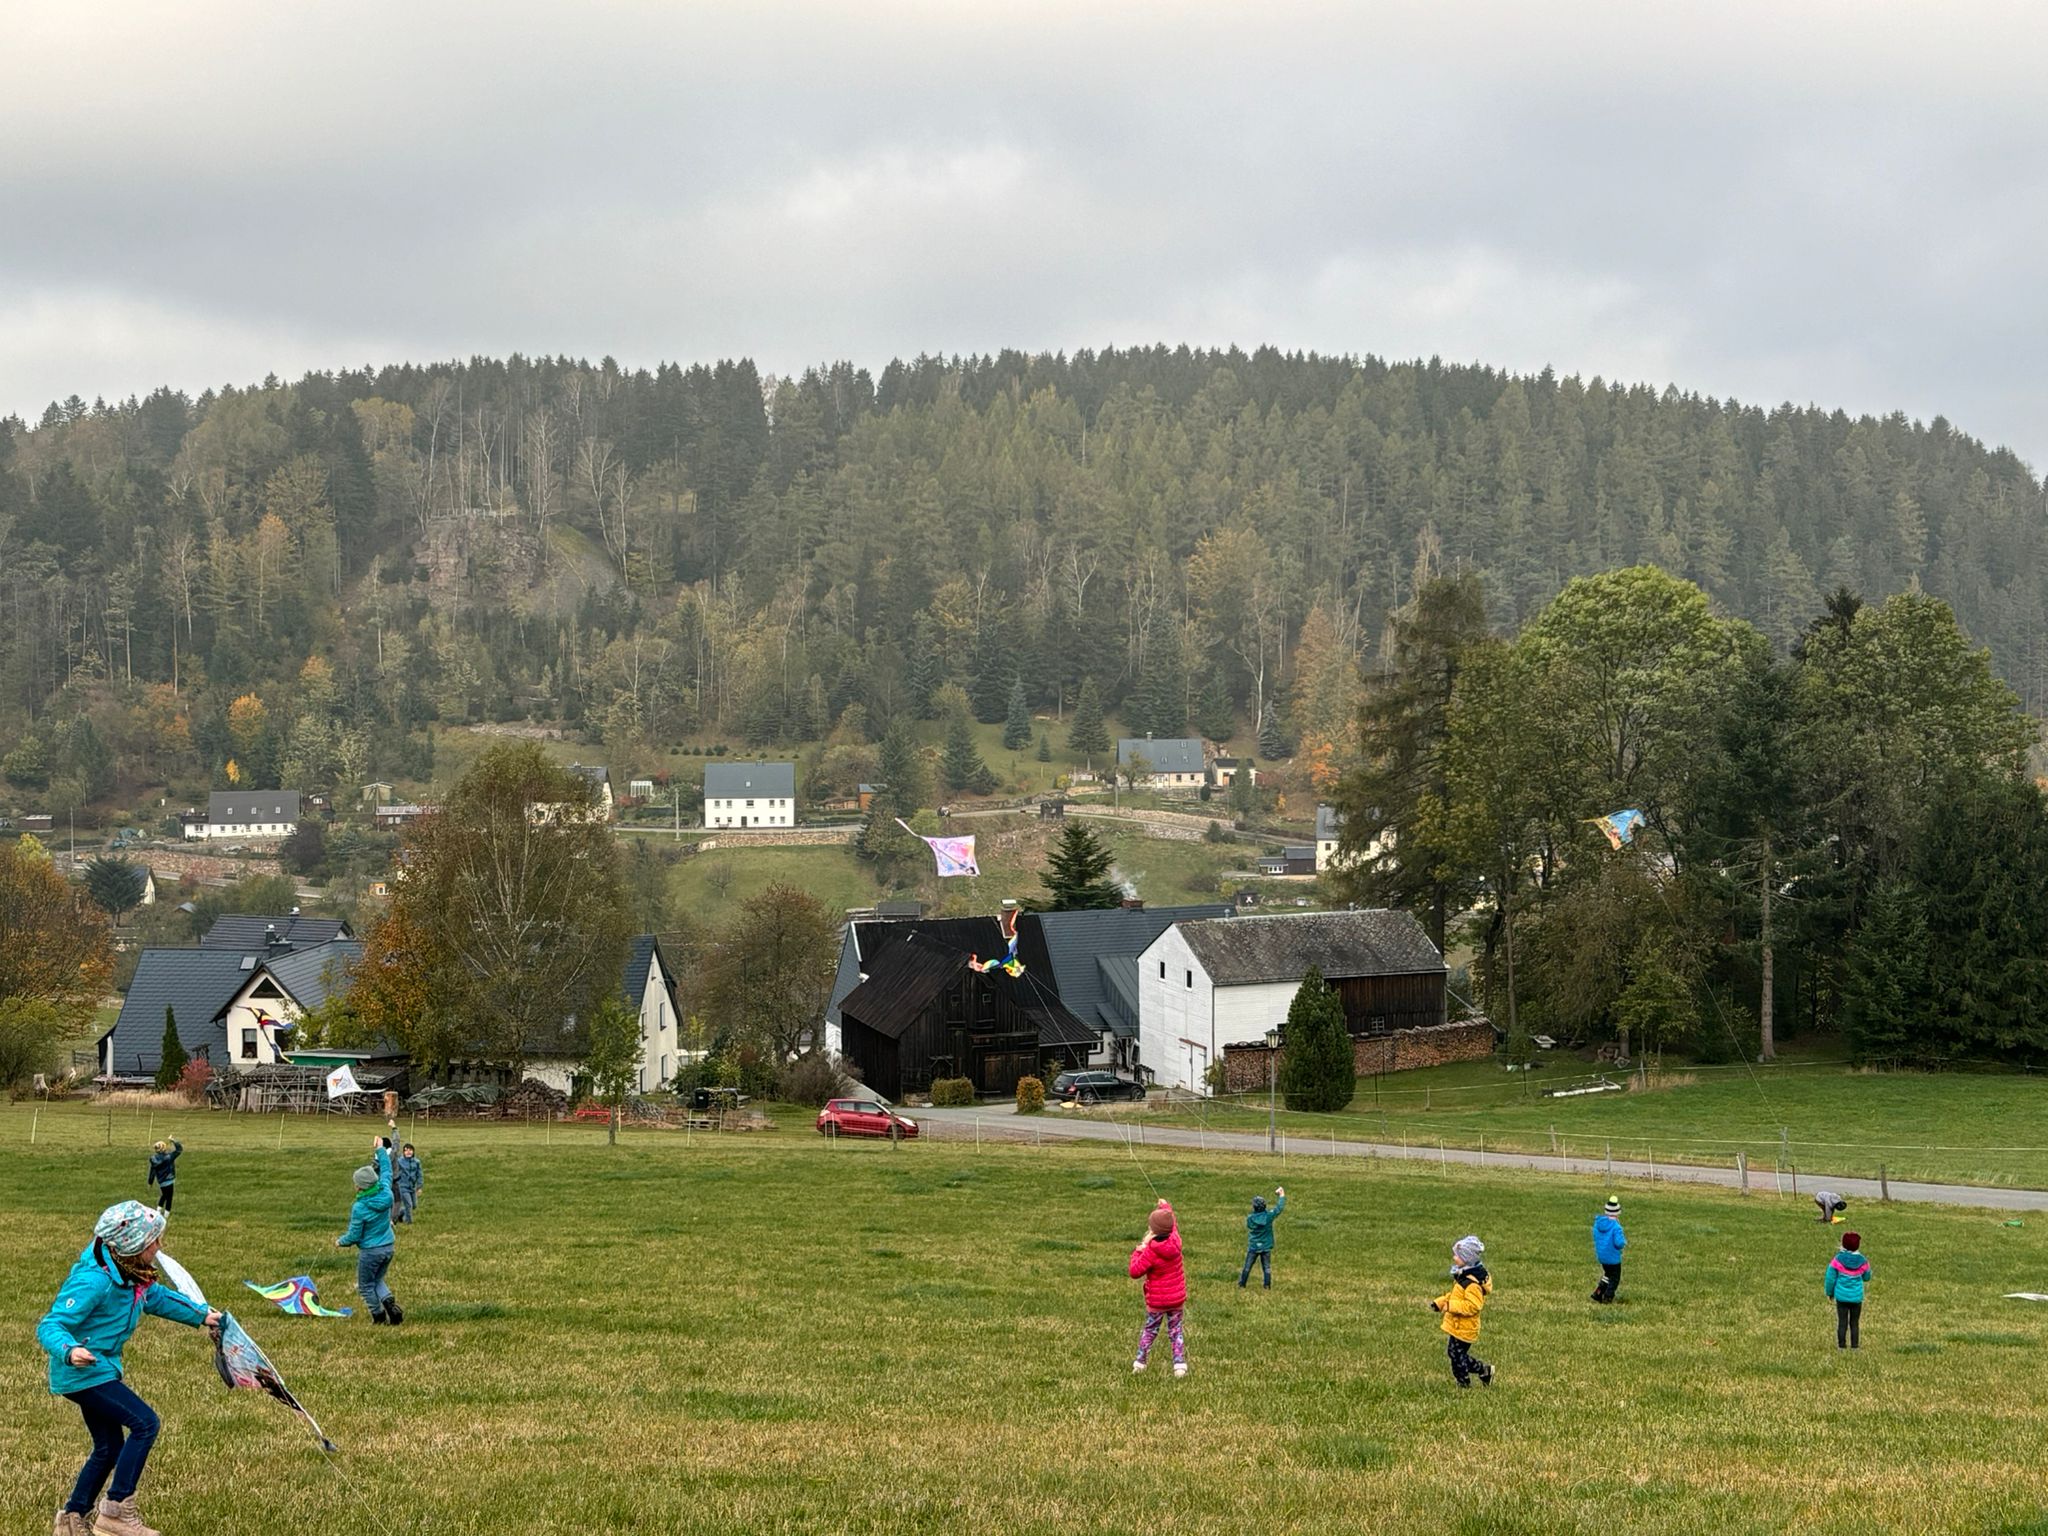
1156,1261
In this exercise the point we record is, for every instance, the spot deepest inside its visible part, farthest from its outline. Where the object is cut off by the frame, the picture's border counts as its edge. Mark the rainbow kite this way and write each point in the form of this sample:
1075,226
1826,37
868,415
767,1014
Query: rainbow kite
1009,965
298,1296
1620,826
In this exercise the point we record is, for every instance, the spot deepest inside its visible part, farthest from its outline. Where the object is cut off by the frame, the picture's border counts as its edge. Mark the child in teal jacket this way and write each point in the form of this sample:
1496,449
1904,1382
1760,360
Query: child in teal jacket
163,1170
1258,1245
1847,1274
370,1234
110,1287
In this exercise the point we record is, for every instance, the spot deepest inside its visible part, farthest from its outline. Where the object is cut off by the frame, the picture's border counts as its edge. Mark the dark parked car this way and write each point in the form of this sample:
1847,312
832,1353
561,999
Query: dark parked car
864,1117
1094,1088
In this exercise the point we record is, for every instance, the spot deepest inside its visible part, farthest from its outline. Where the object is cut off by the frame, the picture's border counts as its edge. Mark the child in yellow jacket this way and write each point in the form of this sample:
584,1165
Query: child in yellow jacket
1461,1306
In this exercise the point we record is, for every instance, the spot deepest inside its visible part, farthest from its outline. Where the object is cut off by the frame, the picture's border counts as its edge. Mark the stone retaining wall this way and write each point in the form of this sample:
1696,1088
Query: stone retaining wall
1404,1050
786,837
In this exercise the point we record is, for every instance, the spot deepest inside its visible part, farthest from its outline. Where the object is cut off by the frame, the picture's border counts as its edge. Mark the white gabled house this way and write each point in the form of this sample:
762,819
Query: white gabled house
750,794
247,813
1330,834
1166,762
1224,981
648,986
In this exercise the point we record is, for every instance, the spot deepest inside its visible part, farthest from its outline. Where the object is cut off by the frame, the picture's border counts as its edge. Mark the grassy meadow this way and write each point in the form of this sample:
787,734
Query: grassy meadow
1954,1127
721,1334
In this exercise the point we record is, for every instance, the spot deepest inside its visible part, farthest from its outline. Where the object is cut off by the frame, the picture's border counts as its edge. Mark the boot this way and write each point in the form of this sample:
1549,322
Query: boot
391,1313
70,1523
377,1316
118,1518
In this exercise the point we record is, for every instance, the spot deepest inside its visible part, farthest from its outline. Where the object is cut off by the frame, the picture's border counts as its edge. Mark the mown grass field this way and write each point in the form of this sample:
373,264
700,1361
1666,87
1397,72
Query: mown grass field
780,1335
1957,1127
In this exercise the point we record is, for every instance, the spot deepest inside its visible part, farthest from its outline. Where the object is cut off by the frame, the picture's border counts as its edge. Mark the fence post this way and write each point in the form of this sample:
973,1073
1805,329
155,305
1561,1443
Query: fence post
280,1130
1653,1161
1442,1157
1610,1162
1884,1188
1553,1140
1742,1171
1482,1151
32,1120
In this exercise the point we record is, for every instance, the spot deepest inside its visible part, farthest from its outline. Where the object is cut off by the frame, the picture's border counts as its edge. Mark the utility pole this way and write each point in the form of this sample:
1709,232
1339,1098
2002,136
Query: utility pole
1767,1043
1272,1060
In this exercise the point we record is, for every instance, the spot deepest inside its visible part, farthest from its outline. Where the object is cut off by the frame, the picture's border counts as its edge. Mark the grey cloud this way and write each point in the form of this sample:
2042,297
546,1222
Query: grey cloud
1828,205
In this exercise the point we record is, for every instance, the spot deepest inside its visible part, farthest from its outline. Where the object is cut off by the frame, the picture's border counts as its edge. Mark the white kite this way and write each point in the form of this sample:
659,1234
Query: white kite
340,1081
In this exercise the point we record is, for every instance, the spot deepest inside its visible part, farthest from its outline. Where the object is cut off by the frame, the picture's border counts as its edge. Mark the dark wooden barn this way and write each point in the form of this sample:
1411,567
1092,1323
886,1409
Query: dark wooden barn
922,1013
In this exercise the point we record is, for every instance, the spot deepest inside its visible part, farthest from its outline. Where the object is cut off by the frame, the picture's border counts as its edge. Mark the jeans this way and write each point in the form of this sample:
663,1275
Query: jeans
371,1265
1464,1364
1610,1282
1848,1325
407,1198
1265,1258
109,1409
163,1196
1172,1319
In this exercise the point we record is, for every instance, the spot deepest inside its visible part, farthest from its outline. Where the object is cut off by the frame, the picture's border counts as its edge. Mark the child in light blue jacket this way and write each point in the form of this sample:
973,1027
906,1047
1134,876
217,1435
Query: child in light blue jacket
112,1284
370,1234
1848,1273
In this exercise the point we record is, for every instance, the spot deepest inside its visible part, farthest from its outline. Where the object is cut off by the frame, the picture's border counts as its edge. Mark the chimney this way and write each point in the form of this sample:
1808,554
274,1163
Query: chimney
270,939
1133,903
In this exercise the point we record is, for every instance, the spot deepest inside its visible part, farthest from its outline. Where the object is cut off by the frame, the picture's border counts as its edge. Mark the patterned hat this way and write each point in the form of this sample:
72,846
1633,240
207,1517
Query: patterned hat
1468,1250
1614,1205
129,1227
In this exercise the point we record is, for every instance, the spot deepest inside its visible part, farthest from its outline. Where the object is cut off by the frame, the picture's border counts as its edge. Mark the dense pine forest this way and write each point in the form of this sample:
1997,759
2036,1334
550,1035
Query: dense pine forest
300,578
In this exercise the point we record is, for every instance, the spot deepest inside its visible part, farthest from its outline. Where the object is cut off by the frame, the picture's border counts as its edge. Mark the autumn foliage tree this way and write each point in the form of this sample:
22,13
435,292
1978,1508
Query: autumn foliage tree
55,958
769,975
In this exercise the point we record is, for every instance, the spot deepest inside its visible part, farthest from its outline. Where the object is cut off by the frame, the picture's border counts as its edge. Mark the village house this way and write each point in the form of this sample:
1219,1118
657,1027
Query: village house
249,975
1228,768
1163,763
392,818
750,794
247,814
1294,859
648,984
1206,984
1090,961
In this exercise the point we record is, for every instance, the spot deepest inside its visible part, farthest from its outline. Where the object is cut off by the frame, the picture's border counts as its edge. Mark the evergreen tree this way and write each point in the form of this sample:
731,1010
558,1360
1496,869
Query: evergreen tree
1159,704
116,884
962,764
171,1064
1078,873
1272,740
927,667
1086,733
1045,746
1017,720
1887,1006
1318,1071
1215,715
904,788
994,670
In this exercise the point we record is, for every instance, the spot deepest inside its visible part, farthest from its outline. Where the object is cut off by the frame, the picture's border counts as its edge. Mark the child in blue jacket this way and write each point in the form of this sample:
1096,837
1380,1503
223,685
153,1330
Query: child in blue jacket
369,1233
1608,1241
406,1180
101,1304
1258,1243
1848,1273
163,1170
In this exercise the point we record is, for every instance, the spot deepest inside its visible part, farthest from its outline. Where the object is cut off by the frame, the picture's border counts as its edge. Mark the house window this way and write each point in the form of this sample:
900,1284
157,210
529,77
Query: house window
750,805
1191,978
248,1045
1162,970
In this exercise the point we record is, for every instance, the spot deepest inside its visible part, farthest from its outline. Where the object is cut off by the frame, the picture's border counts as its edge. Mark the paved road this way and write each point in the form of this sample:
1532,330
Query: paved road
1001,1121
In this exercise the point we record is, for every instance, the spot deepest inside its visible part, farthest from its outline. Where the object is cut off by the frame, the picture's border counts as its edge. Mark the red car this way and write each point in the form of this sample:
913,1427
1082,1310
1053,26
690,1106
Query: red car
864,1117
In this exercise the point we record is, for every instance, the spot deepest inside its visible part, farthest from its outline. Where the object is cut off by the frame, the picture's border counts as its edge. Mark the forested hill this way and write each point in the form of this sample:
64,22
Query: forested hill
650,555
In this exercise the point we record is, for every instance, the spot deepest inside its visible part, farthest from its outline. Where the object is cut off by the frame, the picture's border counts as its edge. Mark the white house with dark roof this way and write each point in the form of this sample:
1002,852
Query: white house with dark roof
1330,834
1163,762
1207,984
247,813
750,794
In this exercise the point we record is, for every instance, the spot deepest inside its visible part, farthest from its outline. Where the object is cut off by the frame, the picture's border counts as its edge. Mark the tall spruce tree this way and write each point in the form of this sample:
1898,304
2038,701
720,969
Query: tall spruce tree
1078,873
1318,1071
994,670
1159,704
926,670
1215,715
172,1058
1045,746
1273,741
1086,732
962,764
1017,719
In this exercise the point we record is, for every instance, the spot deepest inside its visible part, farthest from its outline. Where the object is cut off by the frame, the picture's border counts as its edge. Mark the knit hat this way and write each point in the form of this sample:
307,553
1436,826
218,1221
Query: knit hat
1852,1241
1258,1202
1161,1221
129,1227
366,1177
1614,1205
1468,1250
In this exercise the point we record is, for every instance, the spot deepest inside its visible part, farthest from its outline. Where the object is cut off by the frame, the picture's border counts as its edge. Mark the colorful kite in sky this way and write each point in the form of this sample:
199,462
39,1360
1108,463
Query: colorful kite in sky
1620,826
1009,965
955,855
298,1296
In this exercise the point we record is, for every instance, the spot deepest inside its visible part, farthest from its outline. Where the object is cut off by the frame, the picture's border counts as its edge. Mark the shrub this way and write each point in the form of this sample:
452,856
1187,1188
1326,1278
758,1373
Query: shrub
1216,832
810,1080
193,1080
1030,1095
953,1092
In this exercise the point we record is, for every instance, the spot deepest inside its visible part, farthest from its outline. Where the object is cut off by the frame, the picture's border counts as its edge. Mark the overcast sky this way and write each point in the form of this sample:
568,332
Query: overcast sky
1836,203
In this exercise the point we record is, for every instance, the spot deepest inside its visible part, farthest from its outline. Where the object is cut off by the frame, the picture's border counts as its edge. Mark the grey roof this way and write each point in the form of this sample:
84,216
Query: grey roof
251,807
1328,824
311,976
1070,946
1166,754
640,955
1118,1009
737,781
196,984
1242,950
592,772
247,930
1299,850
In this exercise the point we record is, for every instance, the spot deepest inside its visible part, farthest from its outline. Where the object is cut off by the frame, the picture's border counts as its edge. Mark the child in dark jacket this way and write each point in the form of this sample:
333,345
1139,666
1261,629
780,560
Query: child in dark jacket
406,1180
1461,1306
1848,1273
163,1170
1258,1244
1157,1261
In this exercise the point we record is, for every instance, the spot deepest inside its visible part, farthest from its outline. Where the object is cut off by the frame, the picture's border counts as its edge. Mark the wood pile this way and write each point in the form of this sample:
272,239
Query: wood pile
532,1099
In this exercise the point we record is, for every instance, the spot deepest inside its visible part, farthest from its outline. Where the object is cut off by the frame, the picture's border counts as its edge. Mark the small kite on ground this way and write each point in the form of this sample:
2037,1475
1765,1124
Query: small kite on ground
298,1296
